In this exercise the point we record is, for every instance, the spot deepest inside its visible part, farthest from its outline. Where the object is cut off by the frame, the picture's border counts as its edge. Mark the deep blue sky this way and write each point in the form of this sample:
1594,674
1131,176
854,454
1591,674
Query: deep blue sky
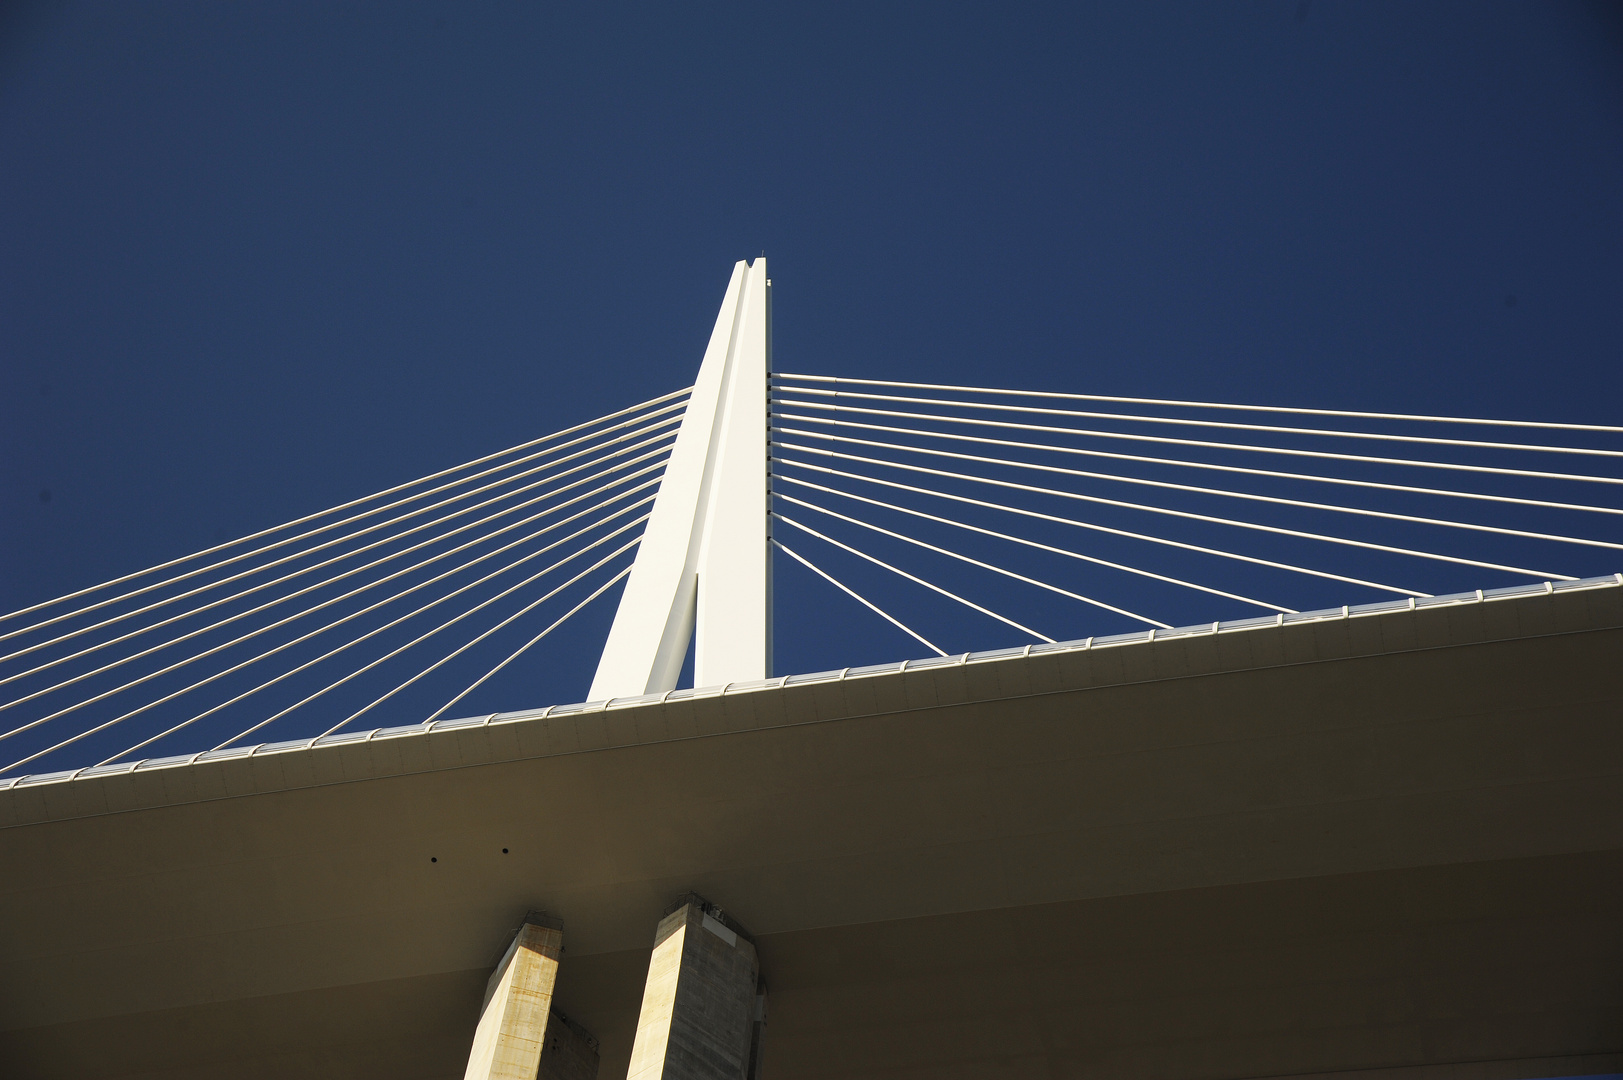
260,259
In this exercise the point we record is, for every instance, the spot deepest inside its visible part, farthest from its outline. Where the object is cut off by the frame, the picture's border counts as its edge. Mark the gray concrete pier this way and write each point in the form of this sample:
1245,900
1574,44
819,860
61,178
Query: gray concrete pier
703,1007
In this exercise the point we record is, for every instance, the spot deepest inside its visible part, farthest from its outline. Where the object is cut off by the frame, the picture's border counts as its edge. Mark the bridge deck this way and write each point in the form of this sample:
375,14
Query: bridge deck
1387,840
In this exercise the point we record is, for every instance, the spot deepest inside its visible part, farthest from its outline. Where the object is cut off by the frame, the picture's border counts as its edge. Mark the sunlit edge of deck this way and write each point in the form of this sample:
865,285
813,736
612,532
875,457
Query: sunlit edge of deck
1112,641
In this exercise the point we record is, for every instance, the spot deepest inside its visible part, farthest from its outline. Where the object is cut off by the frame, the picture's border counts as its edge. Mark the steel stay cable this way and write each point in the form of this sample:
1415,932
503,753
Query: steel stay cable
565,617
1223,424
1210,465
904,574
517,614
853,594
333,510
1019,540
391,624
217,675
351,553
1189,515
449,622
1205,404
248,592
623,450
1274,499
1091,526
982,565
318,585
152,704
1328,455
324,604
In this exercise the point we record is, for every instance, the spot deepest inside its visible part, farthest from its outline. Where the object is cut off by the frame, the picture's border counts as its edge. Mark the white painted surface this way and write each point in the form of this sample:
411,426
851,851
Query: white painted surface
704,554
735,570
720,931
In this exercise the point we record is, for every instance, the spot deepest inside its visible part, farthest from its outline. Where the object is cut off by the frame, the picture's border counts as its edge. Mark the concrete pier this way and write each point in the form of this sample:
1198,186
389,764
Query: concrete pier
704,1007
569,1051
507,1045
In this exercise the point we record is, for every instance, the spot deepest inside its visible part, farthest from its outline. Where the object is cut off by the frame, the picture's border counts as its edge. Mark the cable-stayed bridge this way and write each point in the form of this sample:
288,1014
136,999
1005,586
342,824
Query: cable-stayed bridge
1137,648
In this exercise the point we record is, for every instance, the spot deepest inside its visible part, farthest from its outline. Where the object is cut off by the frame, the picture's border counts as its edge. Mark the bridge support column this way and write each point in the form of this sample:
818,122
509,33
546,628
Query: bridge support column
519,1036
704,1007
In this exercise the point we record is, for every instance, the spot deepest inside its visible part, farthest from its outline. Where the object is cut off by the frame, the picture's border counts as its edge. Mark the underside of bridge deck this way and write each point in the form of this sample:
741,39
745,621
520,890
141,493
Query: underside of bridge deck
1390,843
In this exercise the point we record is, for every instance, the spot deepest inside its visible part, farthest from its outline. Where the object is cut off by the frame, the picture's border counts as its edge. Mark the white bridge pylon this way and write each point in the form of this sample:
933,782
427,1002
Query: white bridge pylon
703,572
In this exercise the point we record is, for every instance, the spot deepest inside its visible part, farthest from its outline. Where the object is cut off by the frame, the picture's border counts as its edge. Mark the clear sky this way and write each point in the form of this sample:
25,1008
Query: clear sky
257,259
